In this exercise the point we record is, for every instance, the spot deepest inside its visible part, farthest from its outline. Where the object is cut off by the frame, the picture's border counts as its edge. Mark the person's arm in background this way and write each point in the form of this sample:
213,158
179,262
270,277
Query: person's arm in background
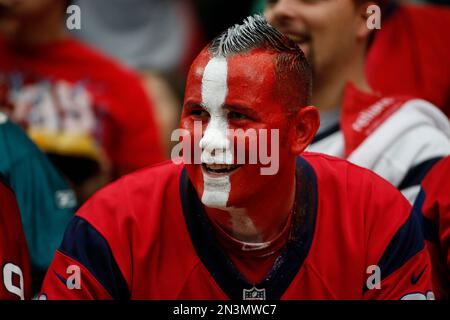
137,143
15,281
167,106
45,200
93,259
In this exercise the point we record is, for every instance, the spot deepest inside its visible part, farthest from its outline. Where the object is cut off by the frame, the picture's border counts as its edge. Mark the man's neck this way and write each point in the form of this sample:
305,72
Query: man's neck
328,88
263,218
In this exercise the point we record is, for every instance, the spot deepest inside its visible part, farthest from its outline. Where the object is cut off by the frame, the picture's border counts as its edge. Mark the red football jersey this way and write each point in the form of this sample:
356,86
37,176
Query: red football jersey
433,209
74,101
15,282
410,54
146,236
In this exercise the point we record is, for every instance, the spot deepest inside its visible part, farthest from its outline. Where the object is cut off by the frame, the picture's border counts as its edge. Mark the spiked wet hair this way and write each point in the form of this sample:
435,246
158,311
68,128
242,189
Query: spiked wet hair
291,65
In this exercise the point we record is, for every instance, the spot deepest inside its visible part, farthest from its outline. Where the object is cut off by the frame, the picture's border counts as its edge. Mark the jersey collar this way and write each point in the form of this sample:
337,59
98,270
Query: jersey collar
288,263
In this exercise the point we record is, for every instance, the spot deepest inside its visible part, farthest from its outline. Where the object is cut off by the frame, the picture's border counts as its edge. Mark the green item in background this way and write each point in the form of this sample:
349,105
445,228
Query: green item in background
45,200
258,6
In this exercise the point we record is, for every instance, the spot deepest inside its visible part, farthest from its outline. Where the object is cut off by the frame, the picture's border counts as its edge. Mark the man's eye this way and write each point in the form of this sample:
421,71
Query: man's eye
232,115
199,113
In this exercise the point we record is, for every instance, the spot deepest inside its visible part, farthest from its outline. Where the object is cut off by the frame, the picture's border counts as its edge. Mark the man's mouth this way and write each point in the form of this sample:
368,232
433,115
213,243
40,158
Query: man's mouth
219,168
302,40
299,38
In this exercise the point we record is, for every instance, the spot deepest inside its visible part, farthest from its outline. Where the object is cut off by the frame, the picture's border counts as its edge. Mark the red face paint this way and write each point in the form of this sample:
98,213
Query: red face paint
251,102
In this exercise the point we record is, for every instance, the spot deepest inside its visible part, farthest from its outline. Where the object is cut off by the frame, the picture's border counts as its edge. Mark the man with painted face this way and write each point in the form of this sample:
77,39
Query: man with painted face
210,226
397,136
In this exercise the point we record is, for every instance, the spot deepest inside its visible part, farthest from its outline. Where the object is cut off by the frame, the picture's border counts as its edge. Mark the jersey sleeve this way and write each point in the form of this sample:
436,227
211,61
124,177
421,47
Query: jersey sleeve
398,262
86,265
15,281
432,208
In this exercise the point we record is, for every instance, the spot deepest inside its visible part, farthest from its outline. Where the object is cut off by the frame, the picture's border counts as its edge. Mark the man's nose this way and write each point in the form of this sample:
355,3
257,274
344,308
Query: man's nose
215,145
280,13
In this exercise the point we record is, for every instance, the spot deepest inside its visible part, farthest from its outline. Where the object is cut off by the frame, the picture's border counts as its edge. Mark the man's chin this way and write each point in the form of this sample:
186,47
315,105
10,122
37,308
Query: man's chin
213,203
216,191
214,188
305,47
215,200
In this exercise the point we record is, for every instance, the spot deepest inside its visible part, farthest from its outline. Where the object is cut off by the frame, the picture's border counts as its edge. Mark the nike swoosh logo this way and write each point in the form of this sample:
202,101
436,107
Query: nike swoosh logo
61,278
414,279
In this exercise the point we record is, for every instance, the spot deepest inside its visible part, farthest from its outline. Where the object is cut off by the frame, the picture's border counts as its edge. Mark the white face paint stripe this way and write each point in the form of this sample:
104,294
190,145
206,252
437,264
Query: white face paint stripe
216,190
214,92
214,84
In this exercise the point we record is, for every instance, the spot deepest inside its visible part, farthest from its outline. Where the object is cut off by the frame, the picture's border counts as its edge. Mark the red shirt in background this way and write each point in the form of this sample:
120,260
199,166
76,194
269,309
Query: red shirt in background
410,55
74,101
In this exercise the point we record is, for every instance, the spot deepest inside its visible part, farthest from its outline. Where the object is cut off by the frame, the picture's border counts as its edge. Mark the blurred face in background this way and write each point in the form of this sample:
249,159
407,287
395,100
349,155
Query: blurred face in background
22,9
328,31
30,22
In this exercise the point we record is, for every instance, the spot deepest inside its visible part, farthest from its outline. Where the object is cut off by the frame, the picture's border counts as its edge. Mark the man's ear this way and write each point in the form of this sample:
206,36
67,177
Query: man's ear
305,125
363,30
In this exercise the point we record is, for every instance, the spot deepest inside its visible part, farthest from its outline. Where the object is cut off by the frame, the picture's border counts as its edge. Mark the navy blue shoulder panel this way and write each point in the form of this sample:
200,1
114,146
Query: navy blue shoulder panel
416,174
405,244
87,246
429,229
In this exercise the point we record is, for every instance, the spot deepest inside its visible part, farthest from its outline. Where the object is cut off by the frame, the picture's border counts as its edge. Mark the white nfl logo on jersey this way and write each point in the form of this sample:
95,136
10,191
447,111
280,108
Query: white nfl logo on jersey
254,294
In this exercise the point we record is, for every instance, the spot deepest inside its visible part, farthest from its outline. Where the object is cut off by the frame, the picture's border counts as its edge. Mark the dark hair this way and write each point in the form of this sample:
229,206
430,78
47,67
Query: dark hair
292,68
